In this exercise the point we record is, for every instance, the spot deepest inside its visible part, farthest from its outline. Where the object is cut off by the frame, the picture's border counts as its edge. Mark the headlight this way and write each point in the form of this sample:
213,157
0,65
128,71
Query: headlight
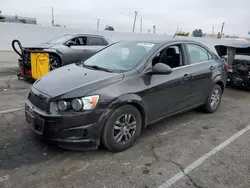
77,104
63,105
51,50
90,102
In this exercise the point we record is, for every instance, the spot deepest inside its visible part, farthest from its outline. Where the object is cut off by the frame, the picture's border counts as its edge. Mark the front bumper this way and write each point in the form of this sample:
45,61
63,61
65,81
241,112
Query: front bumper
78,131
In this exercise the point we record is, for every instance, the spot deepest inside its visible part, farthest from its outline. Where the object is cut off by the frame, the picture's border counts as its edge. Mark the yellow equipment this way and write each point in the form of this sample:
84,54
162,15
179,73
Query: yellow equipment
39,64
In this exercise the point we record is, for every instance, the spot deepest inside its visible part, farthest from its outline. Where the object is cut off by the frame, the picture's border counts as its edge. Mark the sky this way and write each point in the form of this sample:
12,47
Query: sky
166,15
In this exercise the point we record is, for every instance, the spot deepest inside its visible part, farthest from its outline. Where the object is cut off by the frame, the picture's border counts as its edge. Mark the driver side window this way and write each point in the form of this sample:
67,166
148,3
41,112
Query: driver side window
171,56
78,41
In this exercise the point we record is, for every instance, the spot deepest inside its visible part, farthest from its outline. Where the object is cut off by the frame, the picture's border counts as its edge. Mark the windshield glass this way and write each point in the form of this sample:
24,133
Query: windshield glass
60,39
122,56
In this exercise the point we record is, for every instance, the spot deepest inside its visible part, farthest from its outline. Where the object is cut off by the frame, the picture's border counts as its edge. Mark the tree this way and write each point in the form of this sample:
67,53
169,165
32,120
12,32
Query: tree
197,33
109,28
23,21
219,35
184,34
1,17
154,28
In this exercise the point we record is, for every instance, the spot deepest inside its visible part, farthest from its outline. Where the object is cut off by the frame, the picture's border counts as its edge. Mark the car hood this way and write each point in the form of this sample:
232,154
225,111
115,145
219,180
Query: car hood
41,46
74,81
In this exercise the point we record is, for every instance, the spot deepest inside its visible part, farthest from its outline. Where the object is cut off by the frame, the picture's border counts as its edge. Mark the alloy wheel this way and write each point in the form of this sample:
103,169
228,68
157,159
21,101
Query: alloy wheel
124,128
215,98
54,64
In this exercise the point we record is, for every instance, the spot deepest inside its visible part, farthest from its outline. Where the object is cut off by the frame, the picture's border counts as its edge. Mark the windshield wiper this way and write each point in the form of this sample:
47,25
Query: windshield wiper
97,68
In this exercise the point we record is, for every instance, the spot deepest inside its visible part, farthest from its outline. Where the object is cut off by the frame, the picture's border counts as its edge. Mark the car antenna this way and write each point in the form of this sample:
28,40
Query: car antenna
176,31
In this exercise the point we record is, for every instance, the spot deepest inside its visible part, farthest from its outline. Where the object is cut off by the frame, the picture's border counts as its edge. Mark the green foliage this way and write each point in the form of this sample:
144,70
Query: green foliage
184,34
109,28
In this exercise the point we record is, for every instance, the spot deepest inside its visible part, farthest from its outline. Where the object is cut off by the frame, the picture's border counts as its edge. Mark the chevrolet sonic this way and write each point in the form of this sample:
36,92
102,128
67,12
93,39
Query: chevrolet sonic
112,96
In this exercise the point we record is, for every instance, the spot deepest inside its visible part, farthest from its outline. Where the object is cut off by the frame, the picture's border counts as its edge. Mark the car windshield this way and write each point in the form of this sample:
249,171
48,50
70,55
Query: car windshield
60,39
122,56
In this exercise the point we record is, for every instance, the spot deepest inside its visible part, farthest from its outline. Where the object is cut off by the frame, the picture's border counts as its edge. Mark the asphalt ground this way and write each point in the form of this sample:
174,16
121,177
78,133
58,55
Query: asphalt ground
192,149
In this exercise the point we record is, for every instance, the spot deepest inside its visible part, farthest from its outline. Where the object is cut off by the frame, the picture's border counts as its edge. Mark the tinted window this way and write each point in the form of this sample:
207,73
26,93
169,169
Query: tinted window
78,41
170,56
96,41
197,53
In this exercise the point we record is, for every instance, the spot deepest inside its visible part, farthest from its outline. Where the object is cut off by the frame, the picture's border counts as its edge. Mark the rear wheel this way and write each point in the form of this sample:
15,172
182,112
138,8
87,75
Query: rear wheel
213,100
122,128
55,62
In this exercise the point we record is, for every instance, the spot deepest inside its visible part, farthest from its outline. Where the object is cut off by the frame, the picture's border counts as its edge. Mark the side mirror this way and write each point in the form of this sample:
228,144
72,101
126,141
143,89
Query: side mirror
161,68
69,43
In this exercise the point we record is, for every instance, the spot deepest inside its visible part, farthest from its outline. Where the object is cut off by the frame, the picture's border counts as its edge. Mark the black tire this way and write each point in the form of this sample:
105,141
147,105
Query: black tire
208,105
54,58
108,137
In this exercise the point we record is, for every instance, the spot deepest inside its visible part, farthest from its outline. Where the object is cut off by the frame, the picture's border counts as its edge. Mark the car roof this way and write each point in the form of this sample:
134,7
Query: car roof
162,42
86,34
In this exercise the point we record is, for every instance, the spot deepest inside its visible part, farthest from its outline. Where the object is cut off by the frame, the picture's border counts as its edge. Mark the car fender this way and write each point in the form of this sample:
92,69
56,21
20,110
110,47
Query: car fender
218,80
126,99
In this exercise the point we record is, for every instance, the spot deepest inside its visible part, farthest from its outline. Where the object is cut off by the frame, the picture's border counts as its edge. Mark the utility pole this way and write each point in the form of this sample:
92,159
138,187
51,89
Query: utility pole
53,21
98,21
222,27
176,32
136,12
141,24
213,31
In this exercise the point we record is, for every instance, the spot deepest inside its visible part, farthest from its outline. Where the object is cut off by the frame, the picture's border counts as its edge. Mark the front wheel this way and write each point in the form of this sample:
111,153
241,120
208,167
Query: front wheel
55,62
122,128
213,100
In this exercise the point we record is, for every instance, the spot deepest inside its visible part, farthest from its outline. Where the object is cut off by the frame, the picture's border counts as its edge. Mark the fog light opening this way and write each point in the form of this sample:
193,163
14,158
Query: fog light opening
75,134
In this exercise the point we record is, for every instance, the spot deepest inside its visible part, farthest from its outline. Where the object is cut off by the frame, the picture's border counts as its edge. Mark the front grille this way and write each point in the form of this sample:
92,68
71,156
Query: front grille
38,100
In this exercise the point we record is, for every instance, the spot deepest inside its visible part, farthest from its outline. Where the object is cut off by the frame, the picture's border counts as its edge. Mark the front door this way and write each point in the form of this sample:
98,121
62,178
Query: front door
168,94
77,51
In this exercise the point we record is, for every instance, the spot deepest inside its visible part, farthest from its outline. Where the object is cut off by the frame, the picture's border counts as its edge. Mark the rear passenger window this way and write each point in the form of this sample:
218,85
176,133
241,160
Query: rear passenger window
198,53
94,41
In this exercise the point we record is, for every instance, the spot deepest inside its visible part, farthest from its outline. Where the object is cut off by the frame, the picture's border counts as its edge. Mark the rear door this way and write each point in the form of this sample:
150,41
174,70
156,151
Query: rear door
94,44
201,66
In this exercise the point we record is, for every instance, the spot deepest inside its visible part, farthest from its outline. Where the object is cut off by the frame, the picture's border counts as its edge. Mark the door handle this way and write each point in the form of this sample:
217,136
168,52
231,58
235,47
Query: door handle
186,77
211,68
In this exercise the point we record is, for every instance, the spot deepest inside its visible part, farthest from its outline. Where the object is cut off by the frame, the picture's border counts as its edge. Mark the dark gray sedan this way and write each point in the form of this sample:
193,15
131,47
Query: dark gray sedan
112,96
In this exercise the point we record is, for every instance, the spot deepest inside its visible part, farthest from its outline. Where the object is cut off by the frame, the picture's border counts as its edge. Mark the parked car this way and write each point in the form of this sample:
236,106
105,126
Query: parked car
238,57
239,71
68,49
112,96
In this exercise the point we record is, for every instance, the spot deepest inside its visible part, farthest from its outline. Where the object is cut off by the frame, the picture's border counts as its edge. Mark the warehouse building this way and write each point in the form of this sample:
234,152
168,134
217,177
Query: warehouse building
19,19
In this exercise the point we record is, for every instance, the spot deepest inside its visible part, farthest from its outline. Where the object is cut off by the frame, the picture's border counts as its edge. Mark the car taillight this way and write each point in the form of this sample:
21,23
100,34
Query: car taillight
227,66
